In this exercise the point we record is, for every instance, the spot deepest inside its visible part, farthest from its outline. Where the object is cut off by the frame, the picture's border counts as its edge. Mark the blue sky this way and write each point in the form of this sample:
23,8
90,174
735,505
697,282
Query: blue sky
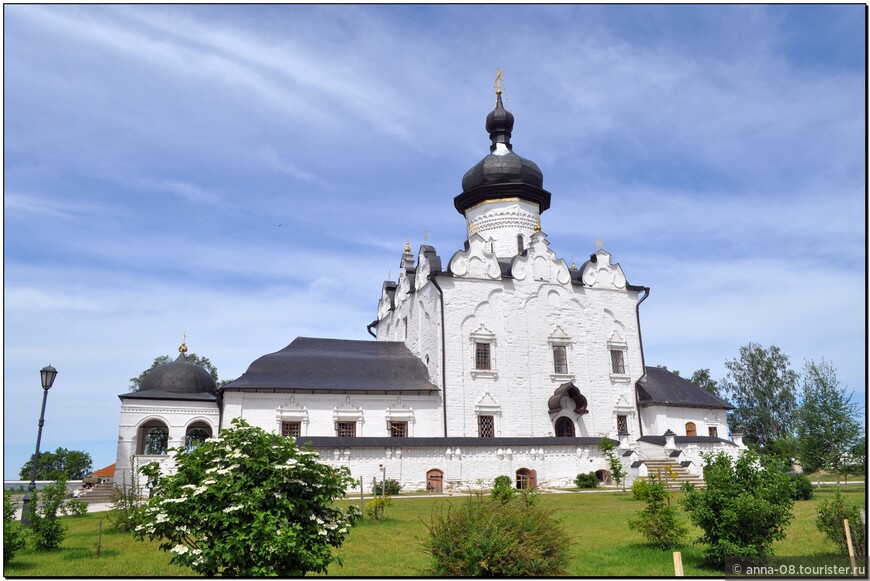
247,175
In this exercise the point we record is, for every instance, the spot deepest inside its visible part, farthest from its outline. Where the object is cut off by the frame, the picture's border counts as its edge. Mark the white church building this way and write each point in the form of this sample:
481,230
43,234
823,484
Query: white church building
502,360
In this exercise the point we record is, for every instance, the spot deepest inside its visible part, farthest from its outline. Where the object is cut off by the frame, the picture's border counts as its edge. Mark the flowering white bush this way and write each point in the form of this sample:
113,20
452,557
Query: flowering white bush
266,507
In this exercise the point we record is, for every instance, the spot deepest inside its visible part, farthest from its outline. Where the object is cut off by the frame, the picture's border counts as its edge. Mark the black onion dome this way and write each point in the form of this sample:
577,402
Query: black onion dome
179,376
504,173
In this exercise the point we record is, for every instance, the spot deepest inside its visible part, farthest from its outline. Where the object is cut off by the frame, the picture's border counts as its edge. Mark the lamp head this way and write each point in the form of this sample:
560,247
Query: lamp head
47,374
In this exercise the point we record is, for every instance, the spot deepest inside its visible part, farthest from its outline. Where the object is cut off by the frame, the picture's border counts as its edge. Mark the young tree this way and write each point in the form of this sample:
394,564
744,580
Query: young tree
136,382
47,532
761,386
827,428
248,503
617,472
14,536
70,464
702,379
658,521
745,507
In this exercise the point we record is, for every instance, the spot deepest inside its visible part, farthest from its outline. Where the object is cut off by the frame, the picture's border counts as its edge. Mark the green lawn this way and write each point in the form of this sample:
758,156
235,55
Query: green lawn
602,543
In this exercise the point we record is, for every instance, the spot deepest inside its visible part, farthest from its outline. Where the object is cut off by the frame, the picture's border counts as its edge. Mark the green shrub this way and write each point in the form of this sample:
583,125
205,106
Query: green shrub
639,489
802,487
832,512
74,507
392,487
745,507
47,532
658,521
14,535
375,508
248,503
126,510
588,480
503,489
483,538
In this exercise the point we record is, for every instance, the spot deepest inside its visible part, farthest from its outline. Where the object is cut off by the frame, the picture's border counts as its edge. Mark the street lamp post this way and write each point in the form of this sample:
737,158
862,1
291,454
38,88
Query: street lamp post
47,375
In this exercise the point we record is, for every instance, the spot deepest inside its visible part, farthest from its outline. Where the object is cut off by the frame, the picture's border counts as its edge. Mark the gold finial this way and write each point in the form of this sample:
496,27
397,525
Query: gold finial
407,247
183,348
538,225
573,264
599,243
498,81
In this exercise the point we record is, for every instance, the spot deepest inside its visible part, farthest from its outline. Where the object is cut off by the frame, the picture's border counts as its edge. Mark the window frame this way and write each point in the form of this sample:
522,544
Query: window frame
287,427
481,420
145,430
563,420
694,430
620,418
393,424
349,425
713,431
483,336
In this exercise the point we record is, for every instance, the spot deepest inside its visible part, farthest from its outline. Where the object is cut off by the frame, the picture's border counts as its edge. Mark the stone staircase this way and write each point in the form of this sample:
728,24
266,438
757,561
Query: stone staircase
673,473
104,492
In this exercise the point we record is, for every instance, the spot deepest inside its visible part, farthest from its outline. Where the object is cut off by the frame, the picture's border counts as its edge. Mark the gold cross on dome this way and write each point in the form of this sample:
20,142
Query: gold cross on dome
498,81
599,243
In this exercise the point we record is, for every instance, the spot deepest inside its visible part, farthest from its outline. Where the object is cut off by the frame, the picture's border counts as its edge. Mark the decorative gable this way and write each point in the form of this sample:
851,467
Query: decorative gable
601,272
428,262
477,260
539,263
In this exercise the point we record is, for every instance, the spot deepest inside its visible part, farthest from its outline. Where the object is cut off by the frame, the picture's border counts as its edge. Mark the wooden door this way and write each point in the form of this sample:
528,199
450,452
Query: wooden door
435,481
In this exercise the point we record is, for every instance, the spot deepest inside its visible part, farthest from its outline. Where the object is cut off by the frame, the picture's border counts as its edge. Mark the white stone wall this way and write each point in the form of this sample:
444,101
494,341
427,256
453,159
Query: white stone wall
659,419
176,415
466,468
318,412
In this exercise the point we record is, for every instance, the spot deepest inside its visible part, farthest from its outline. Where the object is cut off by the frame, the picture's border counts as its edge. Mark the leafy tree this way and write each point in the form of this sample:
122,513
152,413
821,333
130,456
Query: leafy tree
658,521
702,379
745,507
136,382
70,464
248,503
857,460
832,512
761,386
617,472
827,428
46,530
492,538
14,535
503,489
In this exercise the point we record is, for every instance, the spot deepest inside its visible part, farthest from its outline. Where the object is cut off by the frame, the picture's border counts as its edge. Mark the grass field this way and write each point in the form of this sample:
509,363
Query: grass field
601,543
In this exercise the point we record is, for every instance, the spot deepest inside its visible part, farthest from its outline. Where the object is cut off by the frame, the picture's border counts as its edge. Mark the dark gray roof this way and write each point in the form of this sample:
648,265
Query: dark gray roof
661,387
179,379
338,365
386,441
660,440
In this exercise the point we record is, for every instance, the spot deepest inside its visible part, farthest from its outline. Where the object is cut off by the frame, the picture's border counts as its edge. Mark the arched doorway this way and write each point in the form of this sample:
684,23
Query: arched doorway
153,438
603,476
435,481
526,479
197,433
564,428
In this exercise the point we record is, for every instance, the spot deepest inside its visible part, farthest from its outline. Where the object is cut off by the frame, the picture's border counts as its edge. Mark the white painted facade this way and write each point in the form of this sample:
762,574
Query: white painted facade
508,290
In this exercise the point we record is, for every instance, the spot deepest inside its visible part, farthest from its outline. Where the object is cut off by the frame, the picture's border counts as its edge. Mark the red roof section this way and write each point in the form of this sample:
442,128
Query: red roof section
106,472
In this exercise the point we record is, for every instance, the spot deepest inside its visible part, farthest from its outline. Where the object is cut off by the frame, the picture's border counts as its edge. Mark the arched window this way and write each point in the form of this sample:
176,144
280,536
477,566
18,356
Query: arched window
690,429
197,433
564,428
522,479
153,438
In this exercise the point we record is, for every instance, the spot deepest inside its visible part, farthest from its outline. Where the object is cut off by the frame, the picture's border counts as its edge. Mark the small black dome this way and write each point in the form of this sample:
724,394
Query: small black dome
179,376
502,173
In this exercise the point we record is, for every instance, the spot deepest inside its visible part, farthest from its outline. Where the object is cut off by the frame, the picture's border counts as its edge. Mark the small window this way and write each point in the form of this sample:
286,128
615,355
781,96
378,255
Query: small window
486,426
398,429
564,428
154,438
617,361
345,429
713,431
482,356
293,429
560,359
622,424
196,435
156,441
690,429
522,479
